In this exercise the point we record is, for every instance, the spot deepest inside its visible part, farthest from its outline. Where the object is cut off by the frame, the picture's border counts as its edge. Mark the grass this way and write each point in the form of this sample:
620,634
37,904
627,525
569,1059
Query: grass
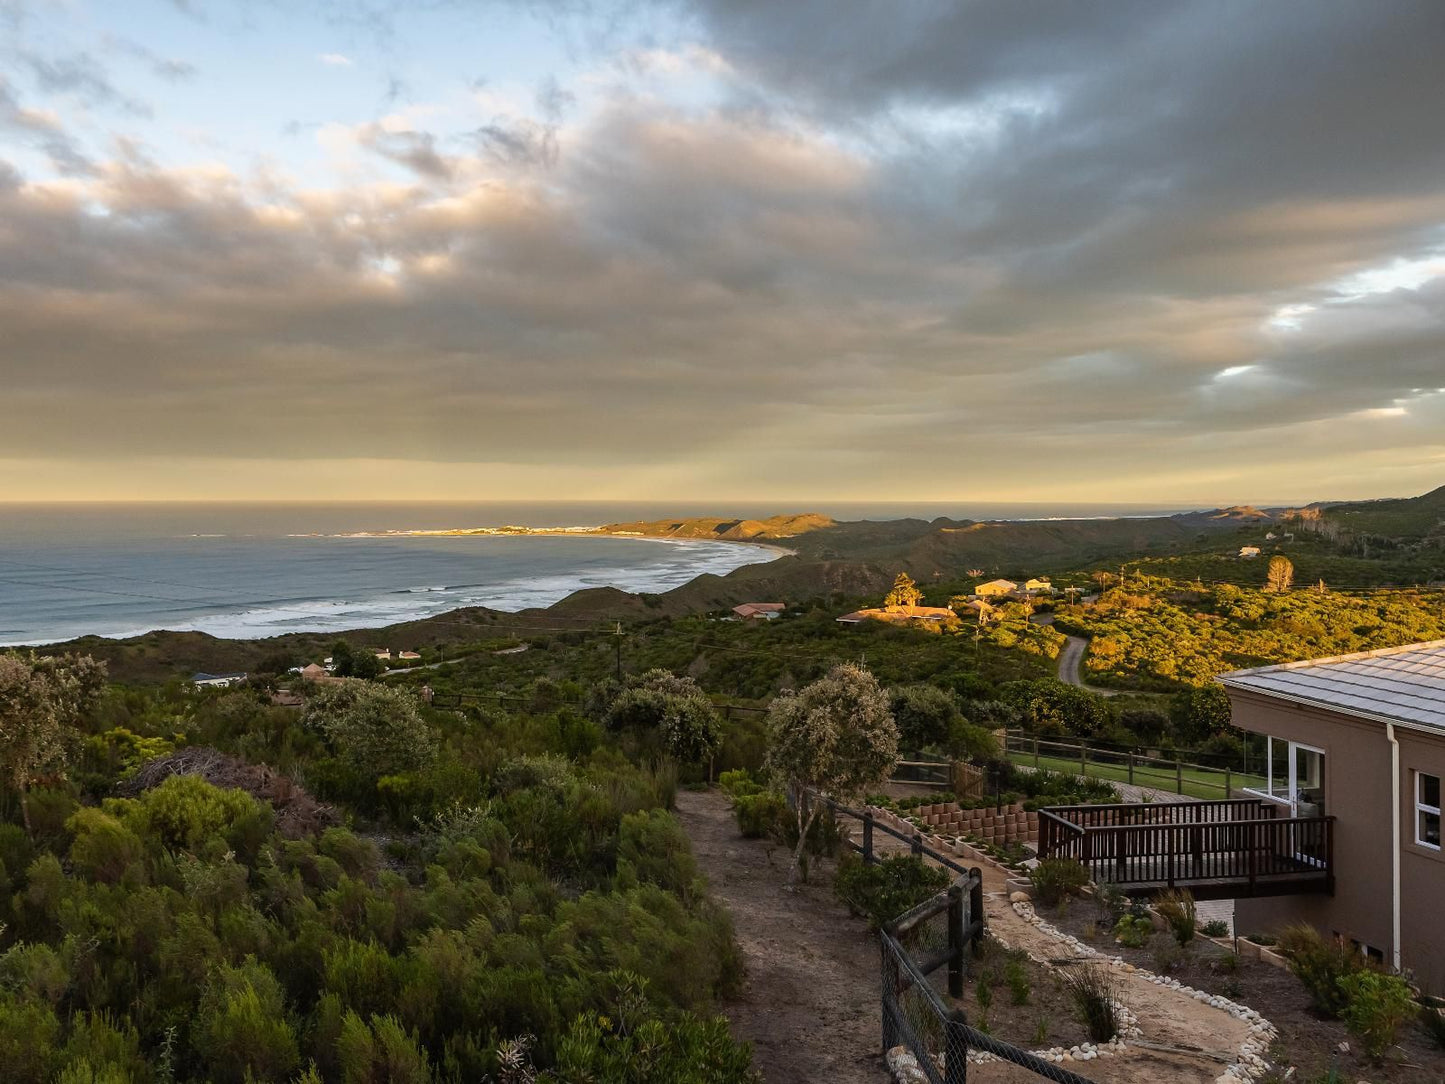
1206,783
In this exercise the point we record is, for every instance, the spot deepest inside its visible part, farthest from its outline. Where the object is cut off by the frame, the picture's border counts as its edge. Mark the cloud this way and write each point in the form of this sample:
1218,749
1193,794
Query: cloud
1144,251
335,60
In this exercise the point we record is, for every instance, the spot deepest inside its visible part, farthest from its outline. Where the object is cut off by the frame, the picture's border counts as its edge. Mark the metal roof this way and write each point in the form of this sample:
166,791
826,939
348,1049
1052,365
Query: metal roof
1401,684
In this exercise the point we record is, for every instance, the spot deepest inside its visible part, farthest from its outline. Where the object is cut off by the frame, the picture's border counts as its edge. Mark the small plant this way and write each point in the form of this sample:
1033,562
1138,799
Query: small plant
1232,989
1168,956
1054,879
1091,931
1215,927
1321,965
738,783
1091,990
1016,975
1132,931
1176,907
1227,964
1041,1032
1265,939
1113,901
983,995
886,890
1377,1006
760,815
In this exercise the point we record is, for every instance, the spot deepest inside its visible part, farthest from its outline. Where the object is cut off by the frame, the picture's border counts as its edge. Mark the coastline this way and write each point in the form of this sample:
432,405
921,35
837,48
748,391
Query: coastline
541,532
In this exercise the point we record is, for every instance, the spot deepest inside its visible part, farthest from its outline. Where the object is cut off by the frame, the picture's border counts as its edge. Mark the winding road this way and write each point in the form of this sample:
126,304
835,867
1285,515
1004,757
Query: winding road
1071,657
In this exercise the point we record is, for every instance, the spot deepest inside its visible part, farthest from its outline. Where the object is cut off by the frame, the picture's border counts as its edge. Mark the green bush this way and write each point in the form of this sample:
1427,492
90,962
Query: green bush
1320,964
1055,878
1215,927
1377,1006
1133,931
738,783
883,891
1091,991
761,815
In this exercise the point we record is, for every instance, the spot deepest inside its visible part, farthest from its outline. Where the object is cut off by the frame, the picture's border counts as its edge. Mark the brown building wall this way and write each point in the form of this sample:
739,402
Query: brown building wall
1357,794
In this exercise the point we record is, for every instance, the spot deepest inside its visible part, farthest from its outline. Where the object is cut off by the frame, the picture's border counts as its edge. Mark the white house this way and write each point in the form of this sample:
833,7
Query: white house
1249,551
217,681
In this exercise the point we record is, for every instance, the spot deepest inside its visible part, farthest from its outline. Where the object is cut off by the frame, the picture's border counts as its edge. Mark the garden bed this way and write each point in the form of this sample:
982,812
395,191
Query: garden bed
1306,1041
1018,1000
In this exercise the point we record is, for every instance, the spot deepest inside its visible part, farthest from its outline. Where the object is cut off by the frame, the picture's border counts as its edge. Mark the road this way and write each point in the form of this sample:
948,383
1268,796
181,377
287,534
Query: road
1070,658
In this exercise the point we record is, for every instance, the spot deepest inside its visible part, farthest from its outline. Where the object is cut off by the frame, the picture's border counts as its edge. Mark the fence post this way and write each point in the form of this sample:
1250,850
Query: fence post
867,839
1228,791
975,906
1083,757
956,934
1179,775
917,845
1036,754
887,991
1131,767
955,1056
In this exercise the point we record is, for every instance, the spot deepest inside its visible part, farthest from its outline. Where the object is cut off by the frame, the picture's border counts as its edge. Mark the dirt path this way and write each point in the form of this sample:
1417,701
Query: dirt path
811,1004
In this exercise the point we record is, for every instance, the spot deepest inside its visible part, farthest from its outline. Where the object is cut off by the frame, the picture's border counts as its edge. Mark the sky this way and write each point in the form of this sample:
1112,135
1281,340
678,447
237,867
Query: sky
722,249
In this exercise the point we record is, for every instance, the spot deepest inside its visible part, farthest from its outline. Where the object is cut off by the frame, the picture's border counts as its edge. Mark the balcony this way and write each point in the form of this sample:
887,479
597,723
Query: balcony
1218,850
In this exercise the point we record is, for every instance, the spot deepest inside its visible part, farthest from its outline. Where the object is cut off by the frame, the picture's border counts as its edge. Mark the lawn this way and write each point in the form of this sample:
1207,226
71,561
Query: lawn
1197,782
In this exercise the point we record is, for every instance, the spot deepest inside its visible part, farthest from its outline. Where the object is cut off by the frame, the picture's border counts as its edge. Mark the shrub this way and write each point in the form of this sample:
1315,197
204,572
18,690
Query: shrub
1176,907
886,890
761,815
1377,1005
1094,999
1133,931
1215,927
1016,975
1055,878
242,1030
738,783
1320,964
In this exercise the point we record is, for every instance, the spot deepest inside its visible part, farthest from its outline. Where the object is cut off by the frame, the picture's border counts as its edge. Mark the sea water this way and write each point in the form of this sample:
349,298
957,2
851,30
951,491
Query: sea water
251,570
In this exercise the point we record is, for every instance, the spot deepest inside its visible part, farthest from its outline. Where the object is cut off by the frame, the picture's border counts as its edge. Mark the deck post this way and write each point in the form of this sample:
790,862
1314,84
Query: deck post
975,909
867,839
1251,843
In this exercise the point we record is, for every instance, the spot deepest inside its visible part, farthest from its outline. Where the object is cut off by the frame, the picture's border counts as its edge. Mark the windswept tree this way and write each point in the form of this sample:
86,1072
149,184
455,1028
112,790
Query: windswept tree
673,708
43,701
837,737
1280,574
377,729
905,592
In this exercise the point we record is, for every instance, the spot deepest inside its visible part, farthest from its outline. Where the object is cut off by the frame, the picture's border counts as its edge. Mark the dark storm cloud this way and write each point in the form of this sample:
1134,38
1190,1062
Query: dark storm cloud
1024,243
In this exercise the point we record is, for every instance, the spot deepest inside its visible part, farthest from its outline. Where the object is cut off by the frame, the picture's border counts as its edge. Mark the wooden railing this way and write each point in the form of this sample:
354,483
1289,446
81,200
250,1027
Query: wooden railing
1234,848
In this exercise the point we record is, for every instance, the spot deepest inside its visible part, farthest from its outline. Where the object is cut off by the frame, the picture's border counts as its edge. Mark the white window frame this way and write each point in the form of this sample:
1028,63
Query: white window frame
1421,807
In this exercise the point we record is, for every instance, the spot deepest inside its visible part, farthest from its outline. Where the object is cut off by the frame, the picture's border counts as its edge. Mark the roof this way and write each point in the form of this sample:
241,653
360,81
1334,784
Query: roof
1395,684
217,677
900,613
747,609
1007,585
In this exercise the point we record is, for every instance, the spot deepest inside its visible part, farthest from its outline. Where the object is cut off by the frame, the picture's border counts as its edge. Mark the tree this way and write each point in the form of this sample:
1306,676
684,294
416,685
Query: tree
1280,573
923,714
378,729
836,736
1200,712
43,701
905,592
341,659
675,708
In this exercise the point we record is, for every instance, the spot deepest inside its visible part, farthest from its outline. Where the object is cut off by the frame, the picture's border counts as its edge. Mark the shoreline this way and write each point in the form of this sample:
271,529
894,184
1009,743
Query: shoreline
542,532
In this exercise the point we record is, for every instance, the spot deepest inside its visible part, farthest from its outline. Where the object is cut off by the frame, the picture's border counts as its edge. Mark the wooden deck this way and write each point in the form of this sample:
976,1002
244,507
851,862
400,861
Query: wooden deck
1218,850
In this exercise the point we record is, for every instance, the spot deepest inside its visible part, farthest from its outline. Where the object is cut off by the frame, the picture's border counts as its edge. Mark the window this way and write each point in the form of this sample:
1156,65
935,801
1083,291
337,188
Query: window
1427,810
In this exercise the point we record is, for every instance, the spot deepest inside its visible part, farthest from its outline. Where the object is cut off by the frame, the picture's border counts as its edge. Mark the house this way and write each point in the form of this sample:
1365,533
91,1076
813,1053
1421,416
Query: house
978,608
765,611
383,653
217,681
1270,536
995,589
1359,740
1038,586
409,656
312,672
1248,551
900,615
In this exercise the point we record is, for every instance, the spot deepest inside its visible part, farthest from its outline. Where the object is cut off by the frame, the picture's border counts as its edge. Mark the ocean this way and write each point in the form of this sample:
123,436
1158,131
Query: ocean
251,570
